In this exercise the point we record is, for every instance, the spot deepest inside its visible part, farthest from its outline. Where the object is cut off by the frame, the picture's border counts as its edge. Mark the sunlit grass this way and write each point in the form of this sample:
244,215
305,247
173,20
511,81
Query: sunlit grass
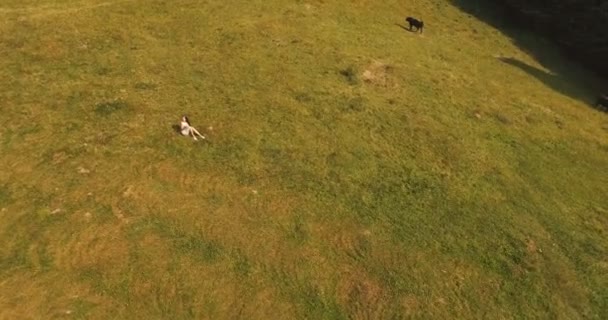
353,169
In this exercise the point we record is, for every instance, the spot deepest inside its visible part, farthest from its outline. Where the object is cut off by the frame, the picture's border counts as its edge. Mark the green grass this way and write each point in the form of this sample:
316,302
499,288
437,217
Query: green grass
353,169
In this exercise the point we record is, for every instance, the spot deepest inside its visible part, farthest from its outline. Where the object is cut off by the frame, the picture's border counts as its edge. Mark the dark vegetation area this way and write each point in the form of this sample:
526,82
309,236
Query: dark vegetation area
579,27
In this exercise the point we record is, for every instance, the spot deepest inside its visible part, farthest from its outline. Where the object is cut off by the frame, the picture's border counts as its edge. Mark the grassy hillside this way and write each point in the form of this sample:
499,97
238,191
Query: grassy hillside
353,170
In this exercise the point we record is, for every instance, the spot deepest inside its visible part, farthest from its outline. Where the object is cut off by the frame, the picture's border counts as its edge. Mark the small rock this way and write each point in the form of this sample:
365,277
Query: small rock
82,170
88,215
56,211
254,191
90,194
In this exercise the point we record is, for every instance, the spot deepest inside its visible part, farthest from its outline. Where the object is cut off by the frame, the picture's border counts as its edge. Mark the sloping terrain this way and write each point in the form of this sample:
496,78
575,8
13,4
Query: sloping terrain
353,169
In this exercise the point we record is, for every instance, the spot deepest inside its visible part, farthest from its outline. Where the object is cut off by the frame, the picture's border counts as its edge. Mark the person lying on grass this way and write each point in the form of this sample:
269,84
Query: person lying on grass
188,130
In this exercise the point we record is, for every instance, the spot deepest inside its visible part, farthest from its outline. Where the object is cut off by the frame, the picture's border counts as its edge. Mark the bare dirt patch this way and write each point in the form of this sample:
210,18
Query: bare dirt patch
378,73
364,297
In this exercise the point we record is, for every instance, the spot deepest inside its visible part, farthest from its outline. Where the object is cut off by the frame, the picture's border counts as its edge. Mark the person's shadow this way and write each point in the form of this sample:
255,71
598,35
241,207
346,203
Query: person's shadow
550,79
176,128
558,82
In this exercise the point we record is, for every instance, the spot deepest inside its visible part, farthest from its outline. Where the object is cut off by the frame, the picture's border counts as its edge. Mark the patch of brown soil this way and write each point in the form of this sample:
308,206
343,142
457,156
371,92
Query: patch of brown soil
410,305
531,246
362,295
378,74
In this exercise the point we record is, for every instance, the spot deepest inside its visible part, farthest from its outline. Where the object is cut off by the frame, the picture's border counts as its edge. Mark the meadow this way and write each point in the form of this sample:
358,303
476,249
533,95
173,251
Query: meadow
353,169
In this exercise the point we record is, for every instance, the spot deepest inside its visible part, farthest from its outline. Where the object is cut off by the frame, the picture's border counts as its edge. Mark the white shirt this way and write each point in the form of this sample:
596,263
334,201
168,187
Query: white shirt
185,128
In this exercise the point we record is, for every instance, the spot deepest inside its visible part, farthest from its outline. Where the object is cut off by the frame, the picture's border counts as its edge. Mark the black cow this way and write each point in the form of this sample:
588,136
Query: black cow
419,24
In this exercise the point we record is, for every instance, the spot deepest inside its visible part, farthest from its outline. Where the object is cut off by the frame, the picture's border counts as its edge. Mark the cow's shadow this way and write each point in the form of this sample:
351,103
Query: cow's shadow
404,27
